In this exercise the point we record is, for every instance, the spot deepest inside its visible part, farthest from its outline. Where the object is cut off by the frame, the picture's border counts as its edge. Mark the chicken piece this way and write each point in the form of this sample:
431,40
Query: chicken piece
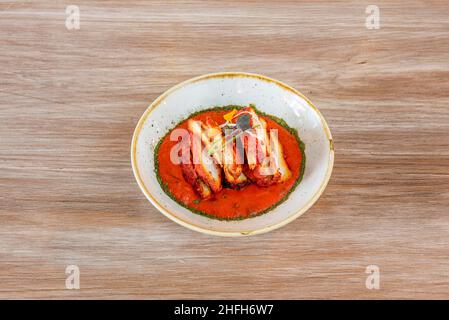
266,163
224,154
254,136
209,171
256,144
264,174
189,174
211,137
277,156
205,166
233,156
250,145
235,183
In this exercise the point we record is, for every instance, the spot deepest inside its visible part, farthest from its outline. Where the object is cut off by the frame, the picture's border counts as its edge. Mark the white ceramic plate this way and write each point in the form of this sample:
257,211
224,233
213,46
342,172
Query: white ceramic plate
234,88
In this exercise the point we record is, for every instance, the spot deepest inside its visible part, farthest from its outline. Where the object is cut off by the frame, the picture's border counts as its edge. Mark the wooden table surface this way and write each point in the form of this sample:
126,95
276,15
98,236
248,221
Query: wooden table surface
70,99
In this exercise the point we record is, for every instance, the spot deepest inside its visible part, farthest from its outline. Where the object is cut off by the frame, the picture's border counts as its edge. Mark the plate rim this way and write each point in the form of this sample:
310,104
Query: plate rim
200,229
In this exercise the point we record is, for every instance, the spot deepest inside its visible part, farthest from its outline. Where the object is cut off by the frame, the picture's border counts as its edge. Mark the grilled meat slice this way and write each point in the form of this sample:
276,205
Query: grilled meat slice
253,135
235,183
265,160
213,140
233,156
264,174
189,174
209,172
205,166
277,157
211,137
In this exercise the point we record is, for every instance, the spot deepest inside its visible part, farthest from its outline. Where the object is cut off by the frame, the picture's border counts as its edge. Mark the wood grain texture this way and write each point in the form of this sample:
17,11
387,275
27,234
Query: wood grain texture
70,99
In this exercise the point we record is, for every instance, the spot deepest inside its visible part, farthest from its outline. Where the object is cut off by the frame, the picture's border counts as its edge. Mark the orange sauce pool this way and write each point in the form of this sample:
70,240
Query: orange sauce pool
229,204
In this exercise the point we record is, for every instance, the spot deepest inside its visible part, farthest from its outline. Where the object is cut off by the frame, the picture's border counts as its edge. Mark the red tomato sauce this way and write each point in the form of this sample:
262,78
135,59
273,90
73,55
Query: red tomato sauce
230,203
